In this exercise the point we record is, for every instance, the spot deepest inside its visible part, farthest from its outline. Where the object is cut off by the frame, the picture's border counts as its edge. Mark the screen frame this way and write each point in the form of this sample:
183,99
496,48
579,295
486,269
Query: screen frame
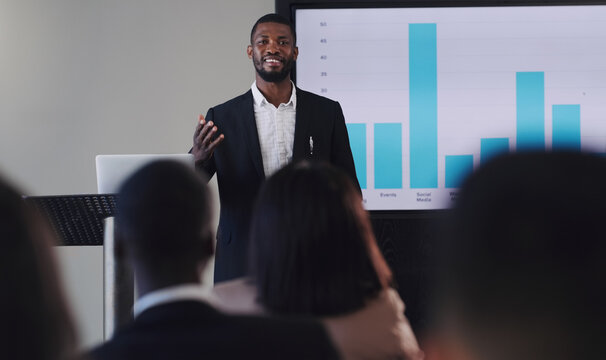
288,8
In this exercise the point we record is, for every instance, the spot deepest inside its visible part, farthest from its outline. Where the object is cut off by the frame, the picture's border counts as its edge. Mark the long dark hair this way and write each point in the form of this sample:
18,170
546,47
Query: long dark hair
35,320
313,251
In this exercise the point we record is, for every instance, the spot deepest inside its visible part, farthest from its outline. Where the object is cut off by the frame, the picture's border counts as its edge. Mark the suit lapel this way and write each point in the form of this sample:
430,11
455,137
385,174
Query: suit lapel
300,148
250,133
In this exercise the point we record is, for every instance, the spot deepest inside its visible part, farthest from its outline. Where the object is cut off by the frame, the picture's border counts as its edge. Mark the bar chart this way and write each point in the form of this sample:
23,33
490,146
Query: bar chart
423,97
431,94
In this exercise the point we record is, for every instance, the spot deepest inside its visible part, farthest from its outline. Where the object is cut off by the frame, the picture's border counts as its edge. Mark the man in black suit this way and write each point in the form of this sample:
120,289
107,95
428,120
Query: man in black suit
259,132
163,231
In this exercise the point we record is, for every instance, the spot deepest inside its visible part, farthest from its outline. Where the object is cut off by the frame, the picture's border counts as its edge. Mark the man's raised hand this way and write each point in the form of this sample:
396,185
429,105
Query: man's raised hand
205,140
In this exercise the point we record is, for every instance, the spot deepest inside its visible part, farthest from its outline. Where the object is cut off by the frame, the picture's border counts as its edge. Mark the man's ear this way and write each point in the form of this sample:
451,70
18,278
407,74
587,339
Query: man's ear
296,52
207,250
209,244
249,51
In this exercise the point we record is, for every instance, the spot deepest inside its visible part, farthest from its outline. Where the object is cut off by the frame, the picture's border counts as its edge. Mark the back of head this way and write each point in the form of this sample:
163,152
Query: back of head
163,217
312,250
35,321
522,268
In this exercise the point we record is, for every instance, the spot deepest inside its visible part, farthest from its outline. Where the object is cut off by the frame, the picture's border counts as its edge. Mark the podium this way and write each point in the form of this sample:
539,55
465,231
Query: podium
87,220
76,219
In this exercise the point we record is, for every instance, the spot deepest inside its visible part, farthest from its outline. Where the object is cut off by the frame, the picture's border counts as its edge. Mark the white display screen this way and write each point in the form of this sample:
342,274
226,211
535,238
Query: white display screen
431,93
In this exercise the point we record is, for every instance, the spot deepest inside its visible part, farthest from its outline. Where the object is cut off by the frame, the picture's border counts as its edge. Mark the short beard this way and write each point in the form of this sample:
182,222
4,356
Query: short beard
274,77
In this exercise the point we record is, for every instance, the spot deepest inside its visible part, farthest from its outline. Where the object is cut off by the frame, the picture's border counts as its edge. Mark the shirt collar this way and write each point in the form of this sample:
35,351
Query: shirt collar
260,99
172,294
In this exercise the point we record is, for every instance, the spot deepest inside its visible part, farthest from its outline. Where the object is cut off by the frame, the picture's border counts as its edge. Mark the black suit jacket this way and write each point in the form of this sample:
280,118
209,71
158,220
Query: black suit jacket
238,164
193,330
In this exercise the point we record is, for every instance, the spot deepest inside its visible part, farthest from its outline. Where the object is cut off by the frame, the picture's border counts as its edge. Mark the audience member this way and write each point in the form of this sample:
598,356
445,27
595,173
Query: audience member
314,254
521,272
163,230
34,316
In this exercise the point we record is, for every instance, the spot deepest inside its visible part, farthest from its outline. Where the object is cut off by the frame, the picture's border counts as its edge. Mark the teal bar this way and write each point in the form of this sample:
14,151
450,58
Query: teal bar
357,142
566,127
423,83
457,169
530,108
388,156
491,147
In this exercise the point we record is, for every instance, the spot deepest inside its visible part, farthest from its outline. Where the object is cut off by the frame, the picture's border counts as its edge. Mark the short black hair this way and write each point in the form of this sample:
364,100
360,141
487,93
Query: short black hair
274,18
522,261
163,214
310,243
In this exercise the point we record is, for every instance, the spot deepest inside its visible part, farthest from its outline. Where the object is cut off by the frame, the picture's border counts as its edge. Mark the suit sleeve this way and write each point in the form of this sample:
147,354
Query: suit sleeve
341,151
208,167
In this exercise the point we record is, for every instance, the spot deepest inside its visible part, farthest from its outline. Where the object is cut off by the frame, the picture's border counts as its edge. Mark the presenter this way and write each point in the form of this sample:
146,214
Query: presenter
248,138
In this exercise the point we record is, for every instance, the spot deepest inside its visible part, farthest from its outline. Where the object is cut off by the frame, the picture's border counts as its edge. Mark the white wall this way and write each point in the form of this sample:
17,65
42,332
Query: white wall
83,77
82,271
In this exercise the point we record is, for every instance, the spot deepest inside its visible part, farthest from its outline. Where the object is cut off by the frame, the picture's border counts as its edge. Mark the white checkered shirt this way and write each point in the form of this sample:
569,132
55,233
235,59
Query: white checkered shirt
276,129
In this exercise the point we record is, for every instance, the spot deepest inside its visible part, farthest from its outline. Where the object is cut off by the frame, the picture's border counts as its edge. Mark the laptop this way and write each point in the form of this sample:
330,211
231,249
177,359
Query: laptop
112,170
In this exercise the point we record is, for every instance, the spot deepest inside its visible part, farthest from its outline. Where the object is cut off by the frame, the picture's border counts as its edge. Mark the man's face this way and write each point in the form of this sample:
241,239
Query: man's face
272,51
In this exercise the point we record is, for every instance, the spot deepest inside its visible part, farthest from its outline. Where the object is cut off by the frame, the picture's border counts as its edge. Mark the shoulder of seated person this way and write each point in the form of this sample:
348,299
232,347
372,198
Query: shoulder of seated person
376,331
236,297
233,286
387,303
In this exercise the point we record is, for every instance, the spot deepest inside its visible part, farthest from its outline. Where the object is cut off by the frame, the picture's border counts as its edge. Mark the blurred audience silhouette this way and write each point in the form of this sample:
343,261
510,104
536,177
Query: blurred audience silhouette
519,270
521,265
164,232
313,253
36,323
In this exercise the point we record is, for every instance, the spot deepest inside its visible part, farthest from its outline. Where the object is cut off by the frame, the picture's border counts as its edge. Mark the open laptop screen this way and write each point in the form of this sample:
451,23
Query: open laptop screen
112,170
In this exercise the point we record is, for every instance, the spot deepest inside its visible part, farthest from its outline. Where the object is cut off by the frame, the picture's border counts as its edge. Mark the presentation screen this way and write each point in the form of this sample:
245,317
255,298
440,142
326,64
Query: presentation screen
429,94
